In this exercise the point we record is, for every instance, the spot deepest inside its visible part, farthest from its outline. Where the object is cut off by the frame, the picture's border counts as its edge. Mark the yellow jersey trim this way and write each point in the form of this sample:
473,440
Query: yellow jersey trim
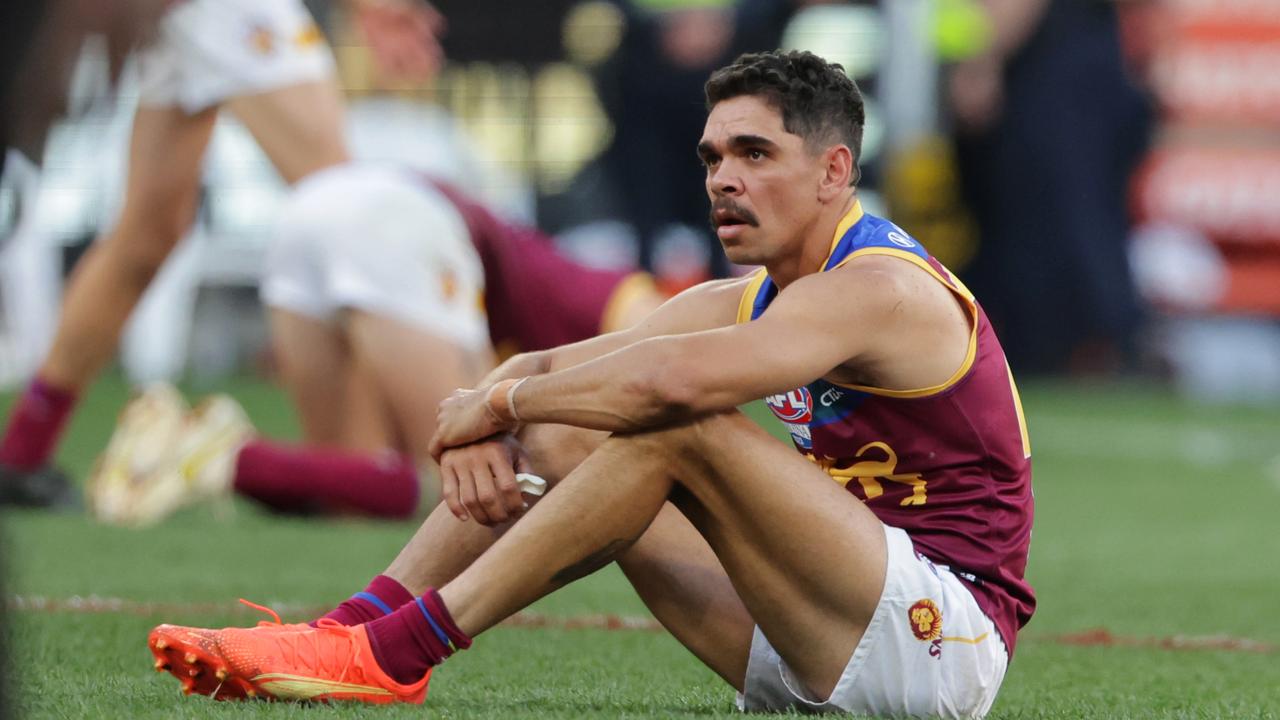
749,293
624,293
850,219
748,301
1022,416
960,291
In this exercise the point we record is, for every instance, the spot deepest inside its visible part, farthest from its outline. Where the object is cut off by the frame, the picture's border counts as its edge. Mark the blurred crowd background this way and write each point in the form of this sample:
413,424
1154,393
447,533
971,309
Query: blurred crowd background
1104,174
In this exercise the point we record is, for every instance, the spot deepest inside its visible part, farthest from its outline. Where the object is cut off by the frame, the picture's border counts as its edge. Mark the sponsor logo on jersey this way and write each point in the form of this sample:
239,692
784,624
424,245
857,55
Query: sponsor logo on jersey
901,240
830,397
793,407
926,620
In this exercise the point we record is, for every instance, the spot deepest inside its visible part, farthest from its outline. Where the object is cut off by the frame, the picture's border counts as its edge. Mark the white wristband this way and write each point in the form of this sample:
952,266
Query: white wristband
511,399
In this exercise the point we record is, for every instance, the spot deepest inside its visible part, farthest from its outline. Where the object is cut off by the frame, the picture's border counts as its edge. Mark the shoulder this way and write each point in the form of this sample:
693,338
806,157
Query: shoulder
708,305
867,292
719,297
884,233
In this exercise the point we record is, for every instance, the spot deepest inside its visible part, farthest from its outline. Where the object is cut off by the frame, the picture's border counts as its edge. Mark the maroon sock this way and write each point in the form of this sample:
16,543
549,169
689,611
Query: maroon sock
298,478
35,425
382,597
418,636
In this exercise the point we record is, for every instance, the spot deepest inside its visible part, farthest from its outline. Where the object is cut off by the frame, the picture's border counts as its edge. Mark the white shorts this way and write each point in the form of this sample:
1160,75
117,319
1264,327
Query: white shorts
380,240
929,651
209,51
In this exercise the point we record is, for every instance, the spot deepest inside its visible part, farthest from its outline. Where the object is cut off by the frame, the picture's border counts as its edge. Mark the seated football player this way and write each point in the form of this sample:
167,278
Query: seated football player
386,291
876,567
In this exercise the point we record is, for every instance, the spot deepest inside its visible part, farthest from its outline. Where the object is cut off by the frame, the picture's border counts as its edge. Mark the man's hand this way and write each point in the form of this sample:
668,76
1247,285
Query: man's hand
404,37
479,480
464,417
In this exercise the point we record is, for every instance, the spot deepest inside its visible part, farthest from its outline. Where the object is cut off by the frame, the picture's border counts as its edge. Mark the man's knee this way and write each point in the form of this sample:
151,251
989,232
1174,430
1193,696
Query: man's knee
693,440
555,450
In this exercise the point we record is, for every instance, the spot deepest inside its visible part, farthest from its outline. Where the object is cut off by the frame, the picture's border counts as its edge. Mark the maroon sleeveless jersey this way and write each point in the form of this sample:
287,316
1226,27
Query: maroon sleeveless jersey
535,297
950,465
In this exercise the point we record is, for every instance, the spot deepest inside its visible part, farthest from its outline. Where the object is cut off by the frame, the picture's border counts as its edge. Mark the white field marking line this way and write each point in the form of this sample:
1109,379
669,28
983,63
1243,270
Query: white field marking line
1097,637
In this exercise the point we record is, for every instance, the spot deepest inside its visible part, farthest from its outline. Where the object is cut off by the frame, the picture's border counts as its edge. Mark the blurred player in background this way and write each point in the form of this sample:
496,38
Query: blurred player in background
876,567
267,62
387,290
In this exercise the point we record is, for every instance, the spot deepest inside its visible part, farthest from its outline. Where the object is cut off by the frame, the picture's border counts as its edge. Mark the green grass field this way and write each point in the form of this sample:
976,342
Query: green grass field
1157,522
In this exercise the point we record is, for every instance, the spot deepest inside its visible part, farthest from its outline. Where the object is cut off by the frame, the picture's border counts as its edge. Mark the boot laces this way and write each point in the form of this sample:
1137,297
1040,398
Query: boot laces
275,617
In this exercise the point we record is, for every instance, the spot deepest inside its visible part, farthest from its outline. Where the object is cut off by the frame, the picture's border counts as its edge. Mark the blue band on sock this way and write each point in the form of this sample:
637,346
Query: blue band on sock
373,600
434,626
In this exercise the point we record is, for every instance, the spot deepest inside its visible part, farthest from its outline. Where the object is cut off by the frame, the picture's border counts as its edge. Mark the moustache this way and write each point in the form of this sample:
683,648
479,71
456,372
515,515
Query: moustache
733,210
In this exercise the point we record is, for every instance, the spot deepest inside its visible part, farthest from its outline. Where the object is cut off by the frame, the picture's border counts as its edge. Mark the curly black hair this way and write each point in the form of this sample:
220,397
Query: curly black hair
818,101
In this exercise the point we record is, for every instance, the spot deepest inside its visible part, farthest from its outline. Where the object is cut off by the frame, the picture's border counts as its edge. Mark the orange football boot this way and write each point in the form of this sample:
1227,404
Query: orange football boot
332,662
191,655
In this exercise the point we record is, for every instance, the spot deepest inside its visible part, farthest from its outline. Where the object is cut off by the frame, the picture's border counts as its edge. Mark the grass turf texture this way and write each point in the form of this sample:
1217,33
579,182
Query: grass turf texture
1155,519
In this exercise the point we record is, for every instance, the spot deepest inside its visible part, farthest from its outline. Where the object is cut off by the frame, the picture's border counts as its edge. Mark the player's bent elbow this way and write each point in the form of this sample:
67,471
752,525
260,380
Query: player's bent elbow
669,390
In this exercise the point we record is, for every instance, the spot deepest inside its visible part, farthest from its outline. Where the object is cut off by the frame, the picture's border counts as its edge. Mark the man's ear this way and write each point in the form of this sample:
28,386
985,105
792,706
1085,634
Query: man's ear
838,172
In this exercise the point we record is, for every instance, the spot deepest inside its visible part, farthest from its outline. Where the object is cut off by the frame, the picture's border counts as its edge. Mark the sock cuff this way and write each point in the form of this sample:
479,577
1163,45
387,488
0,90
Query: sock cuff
389,591
433,606
435,626
373,600
51,393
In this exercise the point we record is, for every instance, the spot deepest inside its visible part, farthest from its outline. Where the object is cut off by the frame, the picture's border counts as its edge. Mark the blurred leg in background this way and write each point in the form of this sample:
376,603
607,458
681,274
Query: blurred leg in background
290,103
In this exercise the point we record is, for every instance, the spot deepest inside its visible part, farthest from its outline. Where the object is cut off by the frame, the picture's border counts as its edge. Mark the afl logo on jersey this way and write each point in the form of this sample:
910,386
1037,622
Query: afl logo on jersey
793,407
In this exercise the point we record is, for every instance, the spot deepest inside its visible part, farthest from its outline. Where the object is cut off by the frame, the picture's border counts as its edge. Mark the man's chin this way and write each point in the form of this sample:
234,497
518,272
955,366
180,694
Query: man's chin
739,255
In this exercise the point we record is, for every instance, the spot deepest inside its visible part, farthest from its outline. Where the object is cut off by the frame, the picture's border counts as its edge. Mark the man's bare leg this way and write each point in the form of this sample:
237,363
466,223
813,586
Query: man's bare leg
338,405
684,585
777,524
299,127
165,155
671,567
414,371
313,360
444,546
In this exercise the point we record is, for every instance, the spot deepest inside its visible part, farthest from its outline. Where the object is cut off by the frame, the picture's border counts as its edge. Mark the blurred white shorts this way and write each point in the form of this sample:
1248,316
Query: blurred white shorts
928,651
381,240
211,50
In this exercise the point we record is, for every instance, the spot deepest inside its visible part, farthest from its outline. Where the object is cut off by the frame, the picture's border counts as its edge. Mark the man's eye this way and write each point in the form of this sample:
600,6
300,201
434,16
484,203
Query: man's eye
756,154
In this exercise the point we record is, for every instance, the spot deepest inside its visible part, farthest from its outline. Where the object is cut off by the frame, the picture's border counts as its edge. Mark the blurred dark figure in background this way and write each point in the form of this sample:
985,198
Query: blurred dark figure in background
39,43
1049,128
652,92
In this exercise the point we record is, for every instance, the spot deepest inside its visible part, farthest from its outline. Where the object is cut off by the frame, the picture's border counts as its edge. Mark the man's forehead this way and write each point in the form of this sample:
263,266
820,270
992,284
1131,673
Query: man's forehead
743,115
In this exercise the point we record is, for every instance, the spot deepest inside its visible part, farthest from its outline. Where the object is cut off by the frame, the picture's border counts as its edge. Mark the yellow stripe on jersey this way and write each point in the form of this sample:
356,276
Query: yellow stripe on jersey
960,292
749,295
1022,416
850,219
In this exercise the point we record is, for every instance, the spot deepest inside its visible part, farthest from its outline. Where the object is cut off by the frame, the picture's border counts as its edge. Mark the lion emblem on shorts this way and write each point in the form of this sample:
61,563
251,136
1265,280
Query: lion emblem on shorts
926,620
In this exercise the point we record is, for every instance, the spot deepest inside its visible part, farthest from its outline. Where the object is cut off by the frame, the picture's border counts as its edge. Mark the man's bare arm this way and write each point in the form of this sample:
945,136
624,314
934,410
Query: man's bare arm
818,323
708,305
